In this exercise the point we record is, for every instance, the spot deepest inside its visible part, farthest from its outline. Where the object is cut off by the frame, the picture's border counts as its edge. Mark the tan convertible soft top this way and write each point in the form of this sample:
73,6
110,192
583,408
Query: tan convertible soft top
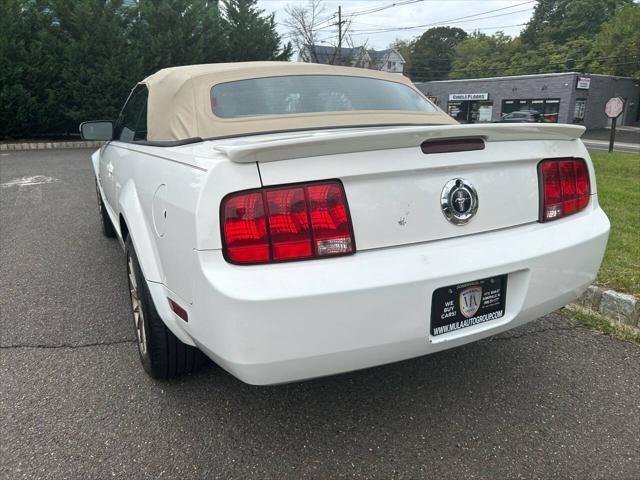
179,105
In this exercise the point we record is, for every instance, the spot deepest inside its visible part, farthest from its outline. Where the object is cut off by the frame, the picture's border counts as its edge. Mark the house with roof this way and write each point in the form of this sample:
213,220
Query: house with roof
389,60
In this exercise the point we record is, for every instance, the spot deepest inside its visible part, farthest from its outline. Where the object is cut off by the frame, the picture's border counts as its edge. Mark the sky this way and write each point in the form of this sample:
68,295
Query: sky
372,16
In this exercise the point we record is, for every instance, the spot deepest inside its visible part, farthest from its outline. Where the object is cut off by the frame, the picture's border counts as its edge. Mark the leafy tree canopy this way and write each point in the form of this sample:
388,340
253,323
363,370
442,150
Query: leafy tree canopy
64,62
616,49
432,53
593,36
558,21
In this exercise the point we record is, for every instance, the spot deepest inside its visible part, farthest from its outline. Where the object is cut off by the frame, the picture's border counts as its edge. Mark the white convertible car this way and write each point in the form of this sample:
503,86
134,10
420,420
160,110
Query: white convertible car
295,220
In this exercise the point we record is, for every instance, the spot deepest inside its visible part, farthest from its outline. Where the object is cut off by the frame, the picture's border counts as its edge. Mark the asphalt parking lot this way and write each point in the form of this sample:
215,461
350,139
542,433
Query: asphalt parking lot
549,400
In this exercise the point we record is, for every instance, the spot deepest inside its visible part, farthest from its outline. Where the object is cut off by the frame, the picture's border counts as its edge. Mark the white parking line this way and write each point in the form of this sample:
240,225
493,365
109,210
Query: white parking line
29,181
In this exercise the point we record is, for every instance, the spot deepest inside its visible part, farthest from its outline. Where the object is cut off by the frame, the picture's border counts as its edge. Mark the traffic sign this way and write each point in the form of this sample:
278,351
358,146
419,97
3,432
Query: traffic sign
614,107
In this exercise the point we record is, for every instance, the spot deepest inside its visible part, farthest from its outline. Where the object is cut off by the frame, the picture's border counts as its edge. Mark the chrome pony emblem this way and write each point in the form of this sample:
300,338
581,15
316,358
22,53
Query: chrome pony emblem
459,201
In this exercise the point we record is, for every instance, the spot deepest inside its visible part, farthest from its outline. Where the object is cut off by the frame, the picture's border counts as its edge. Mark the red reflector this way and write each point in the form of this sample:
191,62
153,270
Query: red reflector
452,145
564,186
286,223
178,310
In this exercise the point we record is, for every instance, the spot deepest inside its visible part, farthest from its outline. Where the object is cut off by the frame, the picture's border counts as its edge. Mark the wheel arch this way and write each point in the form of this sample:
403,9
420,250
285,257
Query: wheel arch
133,223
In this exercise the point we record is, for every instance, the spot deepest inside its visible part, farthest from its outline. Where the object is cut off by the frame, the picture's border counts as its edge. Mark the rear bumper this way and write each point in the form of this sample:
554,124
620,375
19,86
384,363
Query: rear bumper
279,323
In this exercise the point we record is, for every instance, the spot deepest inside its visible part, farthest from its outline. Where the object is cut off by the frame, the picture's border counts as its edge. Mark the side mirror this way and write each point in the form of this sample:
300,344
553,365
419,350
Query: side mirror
97,130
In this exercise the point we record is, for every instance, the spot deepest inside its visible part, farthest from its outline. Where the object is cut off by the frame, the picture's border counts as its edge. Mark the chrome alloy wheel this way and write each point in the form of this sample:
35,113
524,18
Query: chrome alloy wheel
136,306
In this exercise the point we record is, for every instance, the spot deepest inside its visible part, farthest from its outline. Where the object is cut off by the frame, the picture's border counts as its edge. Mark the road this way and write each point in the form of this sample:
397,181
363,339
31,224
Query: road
549,400
627,139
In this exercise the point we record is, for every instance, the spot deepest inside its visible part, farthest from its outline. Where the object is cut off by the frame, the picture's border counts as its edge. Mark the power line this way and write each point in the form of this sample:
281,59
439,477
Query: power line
443,22
490,11
477,28
362,12
379,8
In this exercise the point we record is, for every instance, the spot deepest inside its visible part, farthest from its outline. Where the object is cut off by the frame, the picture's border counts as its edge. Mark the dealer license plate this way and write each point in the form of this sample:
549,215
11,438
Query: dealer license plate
468,304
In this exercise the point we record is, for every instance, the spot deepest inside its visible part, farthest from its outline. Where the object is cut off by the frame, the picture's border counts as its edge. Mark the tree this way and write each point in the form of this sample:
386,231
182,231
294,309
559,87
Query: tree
499,55
68,59
18,98
432,53
306,22
250,34
168,33
64,62
482,55
558,21
616,49
97,64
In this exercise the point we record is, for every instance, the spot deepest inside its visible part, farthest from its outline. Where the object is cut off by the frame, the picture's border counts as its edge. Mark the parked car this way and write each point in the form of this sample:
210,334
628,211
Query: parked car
293,220
528,116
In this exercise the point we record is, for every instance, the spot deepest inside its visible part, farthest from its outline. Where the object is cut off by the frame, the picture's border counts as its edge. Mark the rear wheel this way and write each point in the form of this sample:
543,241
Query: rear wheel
107,226
162,355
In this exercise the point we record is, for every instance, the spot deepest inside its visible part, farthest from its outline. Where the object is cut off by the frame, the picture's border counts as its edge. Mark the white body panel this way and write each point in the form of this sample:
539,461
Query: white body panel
283,322
278,323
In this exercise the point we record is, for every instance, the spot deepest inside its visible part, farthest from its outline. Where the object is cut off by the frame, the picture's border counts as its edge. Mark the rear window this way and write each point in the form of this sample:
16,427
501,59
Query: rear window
312,94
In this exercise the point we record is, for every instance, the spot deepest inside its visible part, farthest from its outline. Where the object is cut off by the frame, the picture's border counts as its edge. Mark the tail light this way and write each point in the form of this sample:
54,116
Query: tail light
286,223
564,187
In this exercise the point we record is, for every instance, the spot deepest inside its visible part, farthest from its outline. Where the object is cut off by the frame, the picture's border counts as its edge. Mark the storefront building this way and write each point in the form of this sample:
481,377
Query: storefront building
552,98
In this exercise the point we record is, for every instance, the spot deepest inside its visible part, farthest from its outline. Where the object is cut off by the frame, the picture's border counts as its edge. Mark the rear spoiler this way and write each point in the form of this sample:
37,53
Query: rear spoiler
318,143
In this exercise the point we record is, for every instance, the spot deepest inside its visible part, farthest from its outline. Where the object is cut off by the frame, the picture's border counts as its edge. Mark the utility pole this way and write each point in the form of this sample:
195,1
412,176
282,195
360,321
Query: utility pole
339,28
339,24
338,51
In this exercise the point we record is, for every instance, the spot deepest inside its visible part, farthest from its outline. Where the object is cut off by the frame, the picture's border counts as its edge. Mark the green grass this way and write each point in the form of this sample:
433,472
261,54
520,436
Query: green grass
601,324
618,178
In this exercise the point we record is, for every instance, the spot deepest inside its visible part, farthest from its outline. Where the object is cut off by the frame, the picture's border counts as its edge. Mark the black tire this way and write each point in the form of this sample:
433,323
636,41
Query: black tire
108,229
162,355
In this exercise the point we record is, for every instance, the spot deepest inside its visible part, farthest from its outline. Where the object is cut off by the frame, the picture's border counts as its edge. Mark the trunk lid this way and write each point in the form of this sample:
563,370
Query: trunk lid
394,190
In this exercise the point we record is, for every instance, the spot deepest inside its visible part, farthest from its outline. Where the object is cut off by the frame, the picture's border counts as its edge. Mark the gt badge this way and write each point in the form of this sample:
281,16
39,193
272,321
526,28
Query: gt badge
459,201
470,299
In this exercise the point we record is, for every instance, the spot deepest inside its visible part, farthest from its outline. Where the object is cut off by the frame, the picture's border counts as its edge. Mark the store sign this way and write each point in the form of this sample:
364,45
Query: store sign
583,83
468,96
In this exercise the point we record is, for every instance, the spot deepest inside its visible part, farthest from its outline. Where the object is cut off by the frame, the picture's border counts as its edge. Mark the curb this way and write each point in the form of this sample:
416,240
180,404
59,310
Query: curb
13,147
618,307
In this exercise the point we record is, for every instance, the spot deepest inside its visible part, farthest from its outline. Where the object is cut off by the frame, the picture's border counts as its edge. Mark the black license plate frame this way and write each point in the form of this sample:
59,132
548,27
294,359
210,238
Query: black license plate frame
456,307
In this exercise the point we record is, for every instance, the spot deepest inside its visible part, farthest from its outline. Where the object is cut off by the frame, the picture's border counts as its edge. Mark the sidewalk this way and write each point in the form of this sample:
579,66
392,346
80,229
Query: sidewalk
626,135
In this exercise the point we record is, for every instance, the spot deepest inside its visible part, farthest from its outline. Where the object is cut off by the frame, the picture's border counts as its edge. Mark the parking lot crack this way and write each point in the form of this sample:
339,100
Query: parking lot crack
63,345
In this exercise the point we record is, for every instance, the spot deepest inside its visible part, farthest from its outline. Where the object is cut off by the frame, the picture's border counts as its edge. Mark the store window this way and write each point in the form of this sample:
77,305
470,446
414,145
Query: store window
471,111
547,107
578,112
